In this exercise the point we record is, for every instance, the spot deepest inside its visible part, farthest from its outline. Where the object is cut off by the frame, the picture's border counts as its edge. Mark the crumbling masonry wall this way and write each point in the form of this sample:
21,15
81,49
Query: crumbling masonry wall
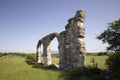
71,45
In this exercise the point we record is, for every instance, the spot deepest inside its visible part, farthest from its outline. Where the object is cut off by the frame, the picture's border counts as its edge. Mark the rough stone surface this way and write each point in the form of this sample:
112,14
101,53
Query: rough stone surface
71,45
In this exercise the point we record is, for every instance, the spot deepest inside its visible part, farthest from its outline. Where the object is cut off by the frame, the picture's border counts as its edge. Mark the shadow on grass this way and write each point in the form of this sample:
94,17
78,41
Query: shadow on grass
31,61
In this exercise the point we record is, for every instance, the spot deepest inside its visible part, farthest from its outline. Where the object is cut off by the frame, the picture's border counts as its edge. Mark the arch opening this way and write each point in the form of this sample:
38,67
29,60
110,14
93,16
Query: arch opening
54,51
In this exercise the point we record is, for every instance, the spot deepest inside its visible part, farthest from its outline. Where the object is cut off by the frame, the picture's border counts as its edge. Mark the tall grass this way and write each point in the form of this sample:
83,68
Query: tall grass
17,67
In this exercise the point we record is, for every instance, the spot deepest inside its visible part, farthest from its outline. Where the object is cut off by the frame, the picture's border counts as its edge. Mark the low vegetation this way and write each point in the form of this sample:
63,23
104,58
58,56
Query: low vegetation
19,66
113,64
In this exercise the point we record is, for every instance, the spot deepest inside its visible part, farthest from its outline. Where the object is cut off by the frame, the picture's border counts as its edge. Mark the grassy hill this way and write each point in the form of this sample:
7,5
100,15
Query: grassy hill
21,67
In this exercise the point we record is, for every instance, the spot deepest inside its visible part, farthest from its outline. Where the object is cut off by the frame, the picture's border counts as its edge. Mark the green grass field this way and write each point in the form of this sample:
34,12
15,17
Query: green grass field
100,60
17,68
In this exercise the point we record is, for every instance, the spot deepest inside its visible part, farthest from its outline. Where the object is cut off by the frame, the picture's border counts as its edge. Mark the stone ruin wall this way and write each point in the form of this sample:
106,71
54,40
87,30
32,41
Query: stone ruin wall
71,45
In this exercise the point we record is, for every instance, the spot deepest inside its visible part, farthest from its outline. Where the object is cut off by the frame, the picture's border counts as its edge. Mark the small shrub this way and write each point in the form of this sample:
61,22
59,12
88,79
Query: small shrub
30,56
94,64
13,54
4,54
30,59
113,64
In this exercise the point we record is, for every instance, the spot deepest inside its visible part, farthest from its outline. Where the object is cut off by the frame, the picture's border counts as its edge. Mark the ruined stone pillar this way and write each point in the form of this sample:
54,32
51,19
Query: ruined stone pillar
72,55
38,58
63,56
80,18
47,54
77,40
38,53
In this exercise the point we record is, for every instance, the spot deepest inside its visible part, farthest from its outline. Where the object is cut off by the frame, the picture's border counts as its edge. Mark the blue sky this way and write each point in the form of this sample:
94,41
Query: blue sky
24,22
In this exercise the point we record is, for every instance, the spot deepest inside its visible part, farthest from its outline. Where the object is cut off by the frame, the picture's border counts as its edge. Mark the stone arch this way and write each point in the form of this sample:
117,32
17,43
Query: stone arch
46,48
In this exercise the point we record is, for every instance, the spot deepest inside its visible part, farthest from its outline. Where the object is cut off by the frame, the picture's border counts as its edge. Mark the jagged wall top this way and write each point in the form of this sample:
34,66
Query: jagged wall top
80,16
